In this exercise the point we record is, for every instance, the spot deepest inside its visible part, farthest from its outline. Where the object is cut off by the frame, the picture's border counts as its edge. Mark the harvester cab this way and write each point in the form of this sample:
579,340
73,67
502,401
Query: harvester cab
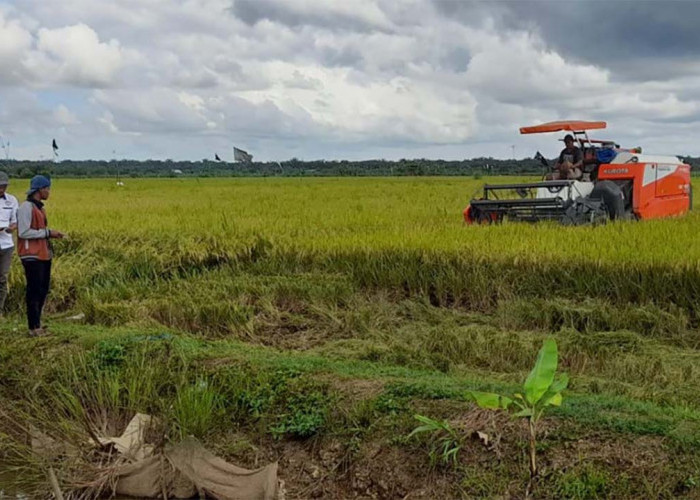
614,183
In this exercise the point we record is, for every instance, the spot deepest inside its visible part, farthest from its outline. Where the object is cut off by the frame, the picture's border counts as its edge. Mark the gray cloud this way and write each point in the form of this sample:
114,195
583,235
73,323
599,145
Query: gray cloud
344,56
323,78
289,14
636,40
456,59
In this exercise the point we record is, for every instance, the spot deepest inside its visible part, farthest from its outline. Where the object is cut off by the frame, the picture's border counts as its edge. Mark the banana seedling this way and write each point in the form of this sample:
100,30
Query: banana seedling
541,390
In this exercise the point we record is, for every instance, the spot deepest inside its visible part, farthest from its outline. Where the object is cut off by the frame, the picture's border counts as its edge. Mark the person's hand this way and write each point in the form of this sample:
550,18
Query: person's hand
56,234
10,228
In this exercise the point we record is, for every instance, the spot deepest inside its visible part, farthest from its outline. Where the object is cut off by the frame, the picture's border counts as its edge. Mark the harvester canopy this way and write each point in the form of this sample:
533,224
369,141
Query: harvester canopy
571,126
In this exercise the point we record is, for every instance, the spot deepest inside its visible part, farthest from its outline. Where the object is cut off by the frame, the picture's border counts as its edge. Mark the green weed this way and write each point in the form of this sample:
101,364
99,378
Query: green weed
587,483
443,441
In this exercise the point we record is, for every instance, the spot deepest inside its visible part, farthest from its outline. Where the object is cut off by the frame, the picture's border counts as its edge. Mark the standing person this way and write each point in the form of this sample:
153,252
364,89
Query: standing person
8,223
34,249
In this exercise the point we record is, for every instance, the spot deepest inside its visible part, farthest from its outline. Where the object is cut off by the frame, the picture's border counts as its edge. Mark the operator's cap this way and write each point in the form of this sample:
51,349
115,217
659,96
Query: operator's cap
38,182
568,136
4,179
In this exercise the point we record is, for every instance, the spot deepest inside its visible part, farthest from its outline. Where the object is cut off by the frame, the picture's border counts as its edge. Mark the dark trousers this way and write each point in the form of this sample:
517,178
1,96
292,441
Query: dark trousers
5,261
38,274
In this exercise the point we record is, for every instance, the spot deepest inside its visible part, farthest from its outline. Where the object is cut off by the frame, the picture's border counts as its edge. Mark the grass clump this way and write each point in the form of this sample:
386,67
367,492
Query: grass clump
444,441
197,407
588,482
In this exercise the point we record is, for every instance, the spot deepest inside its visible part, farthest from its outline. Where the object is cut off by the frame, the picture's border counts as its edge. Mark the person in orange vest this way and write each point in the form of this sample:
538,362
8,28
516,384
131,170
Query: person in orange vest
34,250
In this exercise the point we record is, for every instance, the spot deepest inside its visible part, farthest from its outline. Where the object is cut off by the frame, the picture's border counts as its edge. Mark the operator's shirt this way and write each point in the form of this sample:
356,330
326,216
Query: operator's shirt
8,215
572,155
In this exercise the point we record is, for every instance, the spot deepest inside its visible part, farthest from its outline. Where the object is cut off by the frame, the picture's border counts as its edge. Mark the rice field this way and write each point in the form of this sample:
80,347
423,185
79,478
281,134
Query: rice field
396,234
341,214
290,316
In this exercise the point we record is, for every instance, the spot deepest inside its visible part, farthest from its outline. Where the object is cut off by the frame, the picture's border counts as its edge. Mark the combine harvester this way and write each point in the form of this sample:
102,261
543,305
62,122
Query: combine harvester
616,184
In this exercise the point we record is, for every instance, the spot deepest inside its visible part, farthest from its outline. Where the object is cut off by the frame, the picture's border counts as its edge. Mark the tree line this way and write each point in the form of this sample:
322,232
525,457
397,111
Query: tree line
289,168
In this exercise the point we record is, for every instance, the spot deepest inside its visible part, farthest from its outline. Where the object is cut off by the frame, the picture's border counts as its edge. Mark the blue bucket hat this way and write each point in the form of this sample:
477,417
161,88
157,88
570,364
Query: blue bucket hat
38,182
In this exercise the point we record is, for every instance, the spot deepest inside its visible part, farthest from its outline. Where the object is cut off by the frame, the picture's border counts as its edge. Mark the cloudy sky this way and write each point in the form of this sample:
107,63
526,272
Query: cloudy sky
343,79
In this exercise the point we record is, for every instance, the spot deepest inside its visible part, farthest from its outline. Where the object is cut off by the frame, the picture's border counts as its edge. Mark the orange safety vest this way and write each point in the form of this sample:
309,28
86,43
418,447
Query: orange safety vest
39,249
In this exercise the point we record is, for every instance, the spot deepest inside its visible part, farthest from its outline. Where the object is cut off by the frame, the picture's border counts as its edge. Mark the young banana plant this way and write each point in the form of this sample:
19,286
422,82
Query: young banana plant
541,389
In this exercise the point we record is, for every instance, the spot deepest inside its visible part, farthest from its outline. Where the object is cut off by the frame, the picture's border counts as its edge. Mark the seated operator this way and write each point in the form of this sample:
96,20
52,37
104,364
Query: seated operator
570,162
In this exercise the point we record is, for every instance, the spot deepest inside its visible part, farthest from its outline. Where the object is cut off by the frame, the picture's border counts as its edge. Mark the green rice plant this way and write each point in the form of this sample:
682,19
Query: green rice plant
403,235
104,387
541,390
444,441
196,408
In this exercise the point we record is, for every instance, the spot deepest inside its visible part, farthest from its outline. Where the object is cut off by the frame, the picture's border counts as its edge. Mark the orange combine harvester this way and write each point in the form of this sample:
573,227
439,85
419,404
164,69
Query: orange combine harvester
615,183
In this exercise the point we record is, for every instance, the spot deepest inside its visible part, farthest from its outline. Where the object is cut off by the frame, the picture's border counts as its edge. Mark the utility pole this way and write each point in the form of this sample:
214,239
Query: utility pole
6,147
512,147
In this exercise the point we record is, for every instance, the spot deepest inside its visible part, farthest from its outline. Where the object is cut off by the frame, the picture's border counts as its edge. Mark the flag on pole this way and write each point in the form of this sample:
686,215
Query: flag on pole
55,147
217,157
242,156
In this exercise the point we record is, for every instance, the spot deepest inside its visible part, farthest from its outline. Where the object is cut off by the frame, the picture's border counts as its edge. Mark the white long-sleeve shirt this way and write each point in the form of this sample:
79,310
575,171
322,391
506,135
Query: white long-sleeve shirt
8,215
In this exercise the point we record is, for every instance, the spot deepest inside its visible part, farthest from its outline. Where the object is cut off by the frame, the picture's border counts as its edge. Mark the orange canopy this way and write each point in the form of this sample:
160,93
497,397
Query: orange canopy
571,126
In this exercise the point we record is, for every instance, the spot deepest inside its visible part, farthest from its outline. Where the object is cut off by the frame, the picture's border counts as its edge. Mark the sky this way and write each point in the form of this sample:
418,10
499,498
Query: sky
333,79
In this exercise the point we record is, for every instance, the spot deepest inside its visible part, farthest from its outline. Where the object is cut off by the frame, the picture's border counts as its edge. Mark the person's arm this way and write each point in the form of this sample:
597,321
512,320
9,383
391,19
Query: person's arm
578,158
13,217
560,160
24,224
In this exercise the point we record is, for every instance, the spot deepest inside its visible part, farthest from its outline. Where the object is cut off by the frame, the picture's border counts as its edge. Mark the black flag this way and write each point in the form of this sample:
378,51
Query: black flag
217,157
55,147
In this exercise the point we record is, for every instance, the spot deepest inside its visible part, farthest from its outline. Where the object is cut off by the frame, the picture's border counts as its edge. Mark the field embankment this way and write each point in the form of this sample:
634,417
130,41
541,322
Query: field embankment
308,320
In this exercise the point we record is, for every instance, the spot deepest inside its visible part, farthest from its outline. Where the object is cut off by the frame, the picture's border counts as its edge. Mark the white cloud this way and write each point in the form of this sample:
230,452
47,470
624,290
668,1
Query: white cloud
71,55
63,116
151,111
15,42
14,39
75,55
299,80
107,119
308,78
518,68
